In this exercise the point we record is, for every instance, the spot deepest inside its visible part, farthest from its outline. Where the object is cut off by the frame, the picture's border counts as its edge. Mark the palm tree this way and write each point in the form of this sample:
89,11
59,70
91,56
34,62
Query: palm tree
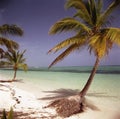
6,30
90,24
16,60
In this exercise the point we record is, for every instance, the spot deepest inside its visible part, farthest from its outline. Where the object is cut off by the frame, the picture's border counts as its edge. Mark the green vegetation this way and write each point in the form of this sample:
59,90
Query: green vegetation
7,116
90,24
14,59
9,55
6,30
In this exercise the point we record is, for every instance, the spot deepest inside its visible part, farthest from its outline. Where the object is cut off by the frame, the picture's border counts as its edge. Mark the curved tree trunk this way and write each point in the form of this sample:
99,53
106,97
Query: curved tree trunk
90,79
66,107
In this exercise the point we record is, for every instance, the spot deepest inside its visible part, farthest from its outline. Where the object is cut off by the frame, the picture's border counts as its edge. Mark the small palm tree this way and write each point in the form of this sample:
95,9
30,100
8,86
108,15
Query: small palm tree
90,23
16,60
6,30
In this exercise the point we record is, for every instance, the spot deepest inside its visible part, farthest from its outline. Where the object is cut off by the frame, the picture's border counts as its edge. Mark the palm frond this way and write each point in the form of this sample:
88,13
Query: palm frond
99,6
83,17
23,66
14,57
8,56
93,11
97,44
102,42
64,54
73,40
14,44
104,17
22,60
113,34
3,41
68,24
10,44
1,53
11,30
20,57
82,11
77,4
5,63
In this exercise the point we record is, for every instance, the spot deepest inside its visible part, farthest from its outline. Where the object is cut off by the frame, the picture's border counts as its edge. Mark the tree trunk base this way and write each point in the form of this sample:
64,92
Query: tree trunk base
66,107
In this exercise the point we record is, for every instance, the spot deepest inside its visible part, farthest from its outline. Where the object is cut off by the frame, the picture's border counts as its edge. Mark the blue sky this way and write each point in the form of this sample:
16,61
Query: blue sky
36,17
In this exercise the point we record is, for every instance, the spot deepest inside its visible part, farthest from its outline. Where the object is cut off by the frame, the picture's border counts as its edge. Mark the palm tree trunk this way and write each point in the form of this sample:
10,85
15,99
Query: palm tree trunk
90,79
15,73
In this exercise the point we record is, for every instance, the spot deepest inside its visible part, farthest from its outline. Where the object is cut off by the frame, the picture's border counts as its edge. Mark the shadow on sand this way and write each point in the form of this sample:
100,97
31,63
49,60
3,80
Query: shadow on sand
10,81
62,93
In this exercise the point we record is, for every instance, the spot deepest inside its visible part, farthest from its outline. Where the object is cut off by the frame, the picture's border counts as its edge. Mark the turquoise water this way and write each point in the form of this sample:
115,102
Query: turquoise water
106,81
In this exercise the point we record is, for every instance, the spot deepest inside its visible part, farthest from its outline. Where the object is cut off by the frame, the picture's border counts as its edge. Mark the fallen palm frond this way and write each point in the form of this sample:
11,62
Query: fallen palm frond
66,107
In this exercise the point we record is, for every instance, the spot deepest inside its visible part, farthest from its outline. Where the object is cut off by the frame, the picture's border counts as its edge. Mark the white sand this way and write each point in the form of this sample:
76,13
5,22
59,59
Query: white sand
20,100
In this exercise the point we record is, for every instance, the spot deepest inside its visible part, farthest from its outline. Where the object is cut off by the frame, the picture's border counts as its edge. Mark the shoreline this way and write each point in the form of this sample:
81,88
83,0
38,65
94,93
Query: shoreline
26,101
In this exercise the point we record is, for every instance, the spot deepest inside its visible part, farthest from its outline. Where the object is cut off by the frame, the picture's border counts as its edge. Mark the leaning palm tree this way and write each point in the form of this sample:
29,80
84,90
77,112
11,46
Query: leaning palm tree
14,59
90,24
6,30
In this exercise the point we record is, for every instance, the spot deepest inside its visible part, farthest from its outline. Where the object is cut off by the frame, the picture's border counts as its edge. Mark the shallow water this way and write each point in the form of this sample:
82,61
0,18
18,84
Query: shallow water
106,82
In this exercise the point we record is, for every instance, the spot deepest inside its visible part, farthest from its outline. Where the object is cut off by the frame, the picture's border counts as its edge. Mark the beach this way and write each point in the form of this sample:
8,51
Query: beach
35,89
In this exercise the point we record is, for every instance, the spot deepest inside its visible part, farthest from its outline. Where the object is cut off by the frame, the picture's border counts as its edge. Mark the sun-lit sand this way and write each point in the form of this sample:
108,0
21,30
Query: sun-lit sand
24,101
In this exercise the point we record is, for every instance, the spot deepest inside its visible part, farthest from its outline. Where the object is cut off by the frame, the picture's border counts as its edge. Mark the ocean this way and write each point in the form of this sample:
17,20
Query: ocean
106,81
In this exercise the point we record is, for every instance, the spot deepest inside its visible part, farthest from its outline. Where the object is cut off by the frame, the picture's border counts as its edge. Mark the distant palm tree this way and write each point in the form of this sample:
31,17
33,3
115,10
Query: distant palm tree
15,60
90,23
6,30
